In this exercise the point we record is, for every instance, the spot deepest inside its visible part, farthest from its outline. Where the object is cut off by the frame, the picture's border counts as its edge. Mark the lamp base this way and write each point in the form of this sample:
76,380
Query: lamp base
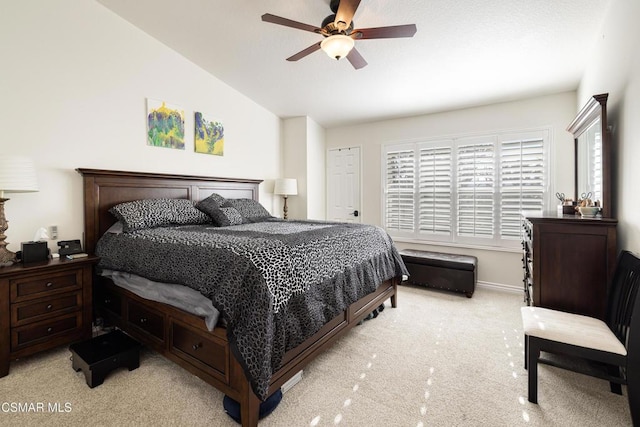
285,209
7,257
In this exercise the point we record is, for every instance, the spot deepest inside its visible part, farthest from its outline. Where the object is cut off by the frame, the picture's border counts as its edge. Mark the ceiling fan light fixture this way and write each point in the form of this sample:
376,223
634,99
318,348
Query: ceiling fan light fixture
337,46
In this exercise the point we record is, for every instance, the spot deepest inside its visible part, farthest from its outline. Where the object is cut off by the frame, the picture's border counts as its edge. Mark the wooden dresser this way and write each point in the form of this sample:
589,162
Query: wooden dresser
44,305
568,262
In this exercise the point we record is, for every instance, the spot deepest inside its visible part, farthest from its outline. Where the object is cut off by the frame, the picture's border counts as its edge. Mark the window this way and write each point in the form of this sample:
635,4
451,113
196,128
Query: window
467,190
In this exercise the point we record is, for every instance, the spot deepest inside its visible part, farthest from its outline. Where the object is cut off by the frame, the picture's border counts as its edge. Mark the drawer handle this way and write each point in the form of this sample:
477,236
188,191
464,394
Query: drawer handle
143,320
197,346
107,301
49,284
49,329
49,307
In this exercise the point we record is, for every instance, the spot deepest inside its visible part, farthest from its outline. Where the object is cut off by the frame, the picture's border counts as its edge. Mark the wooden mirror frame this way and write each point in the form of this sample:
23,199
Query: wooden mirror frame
595,108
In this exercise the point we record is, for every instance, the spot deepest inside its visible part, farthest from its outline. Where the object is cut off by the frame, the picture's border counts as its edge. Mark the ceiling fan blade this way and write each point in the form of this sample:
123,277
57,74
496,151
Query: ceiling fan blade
346,10
267,17
304,52
356,59
385,32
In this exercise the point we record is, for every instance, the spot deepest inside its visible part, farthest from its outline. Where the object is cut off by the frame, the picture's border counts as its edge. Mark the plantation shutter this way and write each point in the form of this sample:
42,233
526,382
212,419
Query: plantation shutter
522,182
400,183
475,189
435,199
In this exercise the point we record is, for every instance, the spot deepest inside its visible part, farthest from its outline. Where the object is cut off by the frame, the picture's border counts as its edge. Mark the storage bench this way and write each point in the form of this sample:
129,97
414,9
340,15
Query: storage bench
443,271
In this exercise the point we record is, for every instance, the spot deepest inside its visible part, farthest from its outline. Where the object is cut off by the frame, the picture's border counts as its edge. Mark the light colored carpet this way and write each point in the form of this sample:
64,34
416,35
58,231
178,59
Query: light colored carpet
439,359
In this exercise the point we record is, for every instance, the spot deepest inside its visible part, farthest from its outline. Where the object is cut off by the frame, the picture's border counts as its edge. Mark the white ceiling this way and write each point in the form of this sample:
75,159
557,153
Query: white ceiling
465,52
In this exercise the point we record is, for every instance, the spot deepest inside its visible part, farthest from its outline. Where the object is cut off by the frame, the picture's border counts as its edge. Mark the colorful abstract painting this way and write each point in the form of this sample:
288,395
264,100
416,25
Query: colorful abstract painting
165,125
209,136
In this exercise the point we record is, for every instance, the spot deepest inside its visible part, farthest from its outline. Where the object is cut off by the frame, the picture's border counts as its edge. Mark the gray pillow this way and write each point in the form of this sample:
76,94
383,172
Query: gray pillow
211,203
226,216
149,213
251,210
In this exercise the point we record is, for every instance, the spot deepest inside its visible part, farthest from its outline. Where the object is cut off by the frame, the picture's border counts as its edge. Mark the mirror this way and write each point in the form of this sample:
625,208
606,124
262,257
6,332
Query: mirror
593,153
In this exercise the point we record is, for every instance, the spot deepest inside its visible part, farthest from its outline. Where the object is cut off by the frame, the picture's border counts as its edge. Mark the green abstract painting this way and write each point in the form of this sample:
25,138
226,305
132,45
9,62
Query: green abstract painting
209,136
165,125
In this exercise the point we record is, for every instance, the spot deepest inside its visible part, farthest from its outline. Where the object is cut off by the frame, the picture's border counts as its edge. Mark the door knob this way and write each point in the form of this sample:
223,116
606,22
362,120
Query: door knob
355,213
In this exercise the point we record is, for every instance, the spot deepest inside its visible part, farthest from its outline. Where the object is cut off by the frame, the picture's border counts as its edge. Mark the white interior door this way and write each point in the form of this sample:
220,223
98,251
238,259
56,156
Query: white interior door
343,186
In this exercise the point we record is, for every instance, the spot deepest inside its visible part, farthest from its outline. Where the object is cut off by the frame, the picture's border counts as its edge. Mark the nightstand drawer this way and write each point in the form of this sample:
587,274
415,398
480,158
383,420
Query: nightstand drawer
46,330
146,320
36,286
32,311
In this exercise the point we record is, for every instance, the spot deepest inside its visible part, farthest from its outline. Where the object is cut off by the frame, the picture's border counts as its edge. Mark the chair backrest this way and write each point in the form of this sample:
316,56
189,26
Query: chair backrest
623,304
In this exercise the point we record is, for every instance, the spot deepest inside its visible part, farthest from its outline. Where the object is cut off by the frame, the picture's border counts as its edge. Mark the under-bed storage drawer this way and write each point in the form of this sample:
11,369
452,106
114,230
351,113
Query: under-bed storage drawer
109,301
143,318
197,349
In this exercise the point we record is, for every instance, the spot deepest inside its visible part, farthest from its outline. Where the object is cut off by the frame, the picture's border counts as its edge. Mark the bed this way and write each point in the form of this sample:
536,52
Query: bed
183,337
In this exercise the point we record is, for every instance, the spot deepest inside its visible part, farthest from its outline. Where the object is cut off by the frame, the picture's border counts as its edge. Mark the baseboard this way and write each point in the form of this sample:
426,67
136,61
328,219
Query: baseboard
500,287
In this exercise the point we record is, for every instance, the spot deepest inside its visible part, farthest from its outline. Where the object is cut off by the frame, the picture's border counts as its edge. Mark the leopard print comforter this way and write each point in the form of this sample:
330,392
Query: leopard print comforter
274,282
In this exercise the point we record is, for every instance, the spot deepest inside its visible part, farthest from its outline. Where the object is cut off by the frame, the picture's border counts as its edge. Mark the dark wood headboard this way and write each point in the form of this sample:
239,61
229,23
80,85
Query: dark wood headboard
104,189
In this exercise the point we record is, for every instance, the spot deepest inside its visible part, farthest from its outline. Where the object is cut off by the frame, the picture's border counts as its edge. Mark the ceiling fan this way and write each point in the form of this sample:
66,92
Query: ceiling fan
339,34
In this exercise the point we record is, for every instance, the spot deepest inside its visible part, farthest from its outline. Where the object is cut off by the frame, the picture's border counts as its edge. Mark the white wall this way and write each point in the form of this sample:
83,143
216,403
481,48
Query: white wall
294,164
554,112
316,171
614,68
304,159
74,81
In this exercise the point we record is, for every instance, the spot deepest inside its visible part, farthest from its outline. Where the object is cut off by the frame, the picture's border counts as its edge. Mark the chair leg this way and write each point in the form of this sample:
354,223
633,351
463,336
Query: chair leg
533,354
614,371
634,404
526,353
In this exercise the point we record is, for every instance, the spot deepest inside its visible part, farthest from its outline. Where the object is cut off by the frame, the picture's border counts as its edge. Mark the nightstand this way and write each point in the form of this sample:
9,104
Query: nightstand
44,305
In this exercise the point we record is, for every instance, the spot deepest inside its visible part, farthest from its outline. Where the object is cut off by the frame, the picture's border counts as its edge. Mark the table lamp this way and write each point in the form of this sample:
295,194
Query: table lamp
286,187
17,175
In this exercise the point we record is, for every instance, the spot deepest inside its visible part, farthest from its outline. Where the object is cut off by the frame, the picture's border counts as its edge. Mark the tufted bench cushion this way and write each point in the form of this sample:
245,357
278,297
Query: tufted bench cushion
440,270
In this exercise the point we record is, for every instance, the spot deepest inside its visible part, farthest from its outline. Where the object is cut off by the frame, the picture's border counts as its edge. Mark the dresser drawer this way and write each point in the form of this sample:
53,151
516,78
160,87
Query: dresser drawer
46,308
42,285
146,320
194,347
46,331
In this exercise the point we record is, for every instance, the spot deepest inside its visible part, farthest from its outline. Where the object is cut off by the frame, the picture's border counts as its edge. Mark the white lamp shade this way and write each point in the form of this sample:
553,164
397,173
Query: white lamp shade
337,46
286,187
17,175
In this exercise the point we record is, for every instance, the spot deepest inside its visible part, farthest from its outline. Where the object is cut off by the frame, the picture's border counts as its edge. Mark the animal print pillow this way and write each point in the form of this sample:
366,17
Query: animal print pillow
225,216
251,210
149,213
220,210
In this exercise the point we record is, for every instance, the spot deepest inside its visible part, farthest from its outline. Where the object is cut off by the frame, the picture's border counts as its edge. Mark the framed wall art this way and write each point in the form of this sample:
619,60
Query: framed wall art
208,135
165,125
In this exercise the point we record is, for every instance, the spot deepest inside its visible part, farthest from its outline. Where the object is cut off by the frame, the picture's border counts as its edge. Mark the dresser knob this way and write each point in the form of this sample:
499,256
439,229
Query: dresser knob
197,346
49,329
49,307
107,301
143,320
49,284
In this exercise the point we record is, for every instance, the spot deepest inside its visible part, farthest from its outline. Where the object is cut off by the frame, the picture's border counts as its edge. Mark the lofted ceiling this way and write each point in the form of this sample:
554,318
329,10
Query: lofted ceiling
465,52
